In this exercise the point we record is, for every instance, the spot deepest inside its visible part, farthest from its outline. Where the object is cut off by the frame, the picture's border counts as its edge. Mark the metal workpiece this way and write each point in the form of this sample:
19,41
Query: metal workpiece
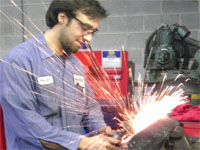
165,134
154,136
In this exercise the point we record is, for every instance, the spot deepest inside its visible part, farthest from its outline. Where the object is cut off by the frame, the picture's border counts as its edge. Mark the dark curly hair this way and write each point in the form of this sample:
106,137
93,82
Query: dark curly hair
91,8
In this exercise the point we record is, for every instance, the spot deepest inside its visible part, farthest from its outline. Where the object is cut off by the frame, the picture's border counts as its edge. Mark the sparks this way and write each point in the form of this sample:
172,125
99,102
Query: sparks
154,106
148,107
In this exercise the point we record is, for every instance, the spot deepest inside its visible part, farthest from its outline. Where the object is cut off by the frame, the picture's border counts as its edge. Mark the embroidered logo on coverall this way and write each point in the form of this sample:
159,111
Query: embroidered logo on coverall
79,81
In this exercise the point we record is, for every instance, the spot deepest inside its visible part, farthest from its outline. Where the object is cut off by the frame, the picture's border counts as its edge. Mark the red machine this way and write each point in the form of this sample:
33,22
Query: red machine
106,67
107,74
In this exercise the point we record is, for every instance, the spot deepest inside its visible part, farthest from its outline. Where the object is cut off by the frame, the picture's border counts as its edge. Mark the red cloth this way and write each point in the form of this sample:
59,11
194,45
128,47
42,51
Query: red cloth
2,132
187,112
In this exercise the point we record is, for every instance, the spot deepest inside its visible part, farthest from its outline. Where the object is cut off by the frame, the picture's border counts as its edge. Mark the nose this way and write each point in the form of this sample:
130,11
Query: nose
87,38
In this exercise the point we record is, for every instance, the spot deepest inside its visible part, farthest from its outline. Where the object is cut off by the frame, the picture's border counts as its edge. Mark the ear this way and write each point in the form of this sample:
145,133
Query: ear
62,18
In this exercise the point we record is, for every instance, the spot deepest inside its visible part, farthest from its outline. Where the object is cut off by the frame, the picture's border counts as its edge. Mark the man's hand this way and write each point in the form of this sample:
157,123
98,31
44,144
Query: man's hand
98,142
102,141
106,130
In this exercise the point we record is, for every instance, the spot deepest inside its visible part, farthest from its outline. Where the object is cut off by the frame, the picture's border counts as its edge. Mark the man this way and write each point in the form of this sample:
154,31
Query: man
45,99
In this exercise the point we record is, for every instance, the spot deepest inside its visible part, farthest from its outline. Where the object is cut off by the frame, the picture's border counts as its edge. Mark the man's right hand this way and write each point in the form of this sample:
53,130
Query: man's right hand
98,142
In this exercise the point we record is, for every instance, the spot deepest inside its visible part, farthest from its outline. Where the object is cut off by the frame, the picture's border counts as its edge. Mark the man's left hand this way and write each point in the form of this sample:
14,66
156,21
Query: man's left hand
106,130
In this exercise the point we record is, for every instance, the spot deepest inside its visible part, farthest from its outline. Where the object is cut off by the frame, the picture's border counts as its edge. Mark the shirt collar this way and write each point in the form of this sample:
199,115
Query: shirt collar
45,51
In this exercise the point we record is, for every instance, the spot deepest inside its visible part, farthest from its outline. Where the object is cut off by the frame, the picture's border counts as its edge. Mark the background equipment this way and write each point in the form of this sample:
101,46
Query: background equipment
169,51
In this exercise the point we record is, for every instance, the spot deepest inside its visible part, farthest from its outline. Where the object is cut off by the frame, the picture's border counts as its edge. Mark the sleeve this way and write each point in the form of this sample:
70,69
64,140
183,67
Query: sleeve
95,118
20,109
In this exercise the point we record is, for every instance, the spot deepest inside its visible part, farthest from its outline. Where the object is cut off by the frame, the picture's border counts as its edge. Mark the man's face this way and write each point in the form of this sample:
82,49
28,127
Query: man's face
75,33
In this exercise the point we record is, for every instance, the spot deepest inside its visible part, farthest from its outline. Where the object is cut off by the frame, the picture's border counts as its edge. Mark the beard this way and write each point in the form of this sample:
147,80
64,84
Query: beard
67,41
69,47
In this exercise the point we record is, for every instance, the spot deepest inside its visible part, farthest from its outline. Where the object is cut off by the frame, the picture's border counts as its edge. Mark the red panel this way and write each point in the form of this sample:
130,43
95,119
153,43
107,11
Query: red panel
124,82
93,66
2,132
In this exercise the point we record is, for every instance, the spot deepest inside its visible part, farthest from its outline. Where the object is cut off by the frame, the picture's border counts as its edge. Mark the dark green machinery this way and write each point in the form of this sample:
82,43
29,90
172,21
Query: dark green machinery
169,51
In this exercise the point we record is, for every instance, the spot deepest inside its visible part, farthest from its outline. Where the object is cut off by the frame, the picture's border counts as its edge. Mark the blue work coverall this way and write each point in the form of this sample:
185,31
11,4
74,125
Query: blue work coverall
42,98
